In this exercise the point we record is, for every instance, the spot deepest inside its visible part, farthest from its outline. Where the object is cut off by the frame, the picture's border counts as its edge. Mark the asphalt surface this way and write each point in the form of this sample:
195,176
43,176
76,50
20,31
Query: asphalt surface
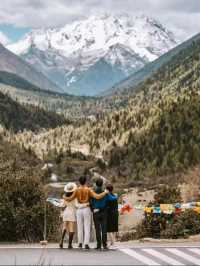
141,255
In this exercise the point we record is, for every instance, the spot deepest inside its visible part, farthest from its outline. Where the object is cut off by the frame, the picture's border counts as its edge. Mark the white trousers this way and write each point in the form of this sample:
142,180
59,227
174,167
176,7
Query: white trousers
84,218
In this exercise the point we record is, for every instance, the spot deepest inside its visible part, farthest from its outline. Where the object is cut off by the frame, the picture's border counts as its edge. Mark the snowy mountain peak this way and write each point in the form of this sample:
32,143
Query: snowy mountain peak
99,32
122,40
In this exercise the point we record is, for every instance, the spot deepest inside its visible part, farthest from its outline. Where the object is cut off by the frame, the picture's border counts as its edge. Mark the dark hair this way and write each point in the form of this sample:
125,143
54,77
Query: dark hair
109,187
68,194
82,180
99,182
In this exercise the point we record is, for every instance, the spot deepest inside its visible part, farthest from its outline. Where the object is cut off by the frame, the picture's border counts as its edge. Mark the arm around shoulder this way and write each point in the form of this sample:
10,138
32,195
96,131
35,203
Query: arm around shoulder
97,196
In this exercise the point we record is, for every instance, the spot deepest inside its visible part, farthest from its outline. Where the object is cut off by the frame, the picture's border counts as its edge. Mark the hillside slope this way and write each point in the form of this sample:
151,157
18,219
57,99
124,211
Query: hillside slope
133,80
70,106
14,64
26,93
16,117
170,142
14,80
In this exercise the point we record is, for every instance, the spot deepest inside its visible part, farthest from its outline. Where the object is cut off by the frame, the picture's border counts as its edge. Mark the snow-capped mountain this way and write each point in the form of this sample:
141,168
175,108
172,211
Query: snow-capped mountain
89,56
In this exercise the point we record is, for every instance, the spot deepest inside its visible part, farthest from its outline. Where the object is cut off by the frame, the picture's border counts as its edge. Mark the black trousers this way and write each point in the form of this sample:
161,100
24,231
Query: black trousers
100,223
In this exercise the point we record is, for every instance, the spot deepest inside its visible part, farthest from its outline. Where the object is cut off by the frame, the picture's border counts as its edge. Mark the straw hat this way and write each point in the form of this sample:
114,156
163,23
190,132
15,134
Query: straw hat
70,187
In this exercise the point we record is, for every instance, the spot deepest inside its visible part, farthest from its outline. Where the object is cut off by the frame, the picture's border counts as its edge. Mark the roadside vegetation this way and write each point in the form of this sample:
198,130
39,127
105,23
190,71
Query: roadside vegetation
172,226
23,197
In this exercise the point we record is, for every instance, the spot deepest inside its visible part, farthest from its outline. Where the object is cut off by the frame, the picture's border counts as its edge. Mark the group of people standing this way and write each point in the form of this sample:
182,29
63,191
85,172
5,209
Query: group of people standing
81,203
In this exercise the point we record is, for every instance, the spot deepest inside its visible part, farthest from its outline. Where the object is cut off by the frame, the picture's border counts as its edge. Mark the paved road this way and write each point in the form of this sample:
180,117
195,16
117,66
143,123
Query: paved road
141,255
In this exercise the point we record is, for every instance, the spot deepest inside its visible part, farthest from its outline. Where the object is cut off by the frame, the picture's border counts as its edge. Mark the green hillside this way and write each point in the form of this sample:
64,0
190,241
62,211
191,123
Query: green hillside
162,120
16,81
169,144
68,105
157,133
17,117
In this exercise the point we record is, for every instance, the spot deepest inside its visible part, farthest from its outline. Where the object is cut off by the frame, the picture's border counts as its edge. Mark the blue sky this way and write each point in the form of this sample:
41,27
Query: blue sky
19,16
13,33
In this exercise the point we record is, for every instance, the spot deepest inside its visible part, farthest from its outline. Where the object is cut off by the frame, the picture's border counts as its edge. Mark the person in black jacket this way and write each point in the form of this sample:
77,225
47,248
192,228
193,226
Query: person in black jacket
99,208
112,217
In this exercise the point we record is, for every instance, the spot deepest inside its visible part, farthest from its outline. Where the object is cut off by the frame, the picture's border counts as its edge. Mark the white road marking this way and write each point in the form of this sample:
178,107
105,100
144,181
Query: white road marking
184,255
195,250
144,260
161,256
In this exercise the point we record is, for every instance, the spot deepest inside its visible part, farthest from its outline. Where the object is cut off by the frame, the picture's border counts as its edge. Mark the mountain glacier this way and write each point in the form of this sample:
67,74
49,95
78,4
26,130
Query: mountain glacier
90,56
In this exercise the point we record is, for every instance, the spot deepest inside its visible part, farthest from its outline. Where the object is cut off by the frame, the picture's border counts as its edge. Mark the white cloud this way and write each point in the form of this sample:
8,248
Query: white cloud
36,13
4,39
180,15
185,25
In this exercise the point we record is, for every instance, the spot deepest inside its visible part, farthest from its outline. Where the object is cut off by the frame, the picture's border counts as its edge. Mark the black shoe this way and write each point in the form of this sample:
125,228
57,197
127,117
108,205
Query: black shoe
105,248
80,245
87,247
71,236
62,239
98,248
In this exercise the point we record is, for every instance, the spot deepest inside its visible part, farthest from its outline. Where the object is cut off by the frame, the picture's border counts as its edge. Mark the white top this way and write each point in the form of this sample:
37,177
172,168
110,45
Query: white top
69,214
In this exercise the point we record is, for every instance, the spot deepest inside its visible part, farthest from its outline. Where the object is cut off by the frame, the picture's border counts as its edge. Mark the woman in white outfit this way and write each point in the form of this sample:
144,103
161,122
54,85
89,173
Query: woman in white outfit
69,215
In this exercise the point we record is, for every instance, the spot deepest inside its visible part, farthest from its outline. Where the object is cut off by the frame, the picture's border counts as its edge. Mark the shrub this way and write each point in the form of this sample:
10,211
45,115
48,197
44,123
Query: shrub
152,225
101,164
169,226
183,225
22,202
